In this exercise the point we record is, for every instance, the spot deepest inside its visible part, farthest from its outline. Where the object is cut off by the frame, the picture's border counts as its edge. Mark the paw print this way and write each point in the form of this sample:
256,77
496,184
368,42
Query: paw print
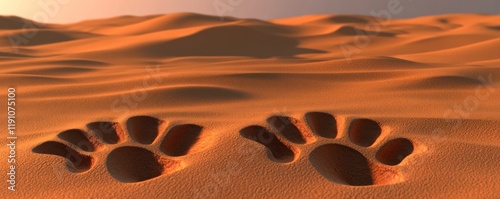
341,160
127,160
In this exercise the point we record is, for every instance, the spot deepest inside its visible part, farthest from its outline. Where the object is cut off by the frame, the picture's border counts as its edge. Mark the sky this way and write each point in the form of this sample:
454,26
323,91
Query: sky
67,11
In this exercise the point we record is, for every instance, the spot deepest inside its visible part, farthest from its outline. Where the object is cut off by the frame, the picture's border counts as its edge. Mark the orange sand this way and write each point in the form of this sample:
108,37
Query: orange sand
175,106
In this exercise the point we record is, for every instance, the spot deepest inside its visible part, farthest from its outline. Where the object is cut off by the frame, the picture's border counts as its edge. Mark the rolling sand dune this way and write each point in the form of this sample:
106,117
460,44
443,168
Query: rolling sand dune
15,23
195,106
43,37
161,23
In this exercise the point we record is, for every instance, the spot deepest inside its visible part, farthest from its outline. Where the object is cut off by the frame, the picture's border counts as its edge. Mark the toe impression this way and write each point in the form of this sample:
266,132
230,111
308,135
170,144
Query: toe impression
286,127
180,139
143,129
394,151
323,124
280,151
364,132
79,162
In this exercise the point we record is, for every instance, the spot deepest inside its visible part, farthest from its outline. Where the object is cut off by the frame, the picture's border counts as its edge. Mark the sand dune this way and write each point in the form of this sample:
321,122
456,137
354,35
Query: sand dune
466,53
161,23
226,41
325,19
47,37
194,106
15,23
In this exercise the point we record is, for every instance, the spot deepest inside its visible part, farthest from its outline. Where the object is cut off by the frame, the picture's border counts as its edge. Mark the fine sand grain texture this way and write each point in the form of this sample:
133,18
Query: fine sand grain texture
194,106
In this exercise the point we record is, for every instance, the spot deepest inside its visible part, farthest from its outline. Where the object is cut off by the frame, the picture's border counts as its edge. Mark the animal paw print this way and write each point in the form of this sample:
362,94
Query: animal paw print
339,161
127,160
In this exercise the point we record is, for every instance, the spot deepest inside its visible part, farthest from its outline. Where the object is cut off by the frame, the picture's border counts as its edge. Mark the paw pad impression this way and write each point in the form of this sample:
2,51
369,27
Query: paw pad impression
125,163
337,162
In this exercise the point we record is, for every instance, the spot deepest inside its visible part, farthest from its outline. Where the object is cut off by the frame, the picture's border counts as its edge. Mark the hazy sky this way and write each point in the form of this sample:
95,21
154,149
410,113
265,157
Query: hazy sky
66,11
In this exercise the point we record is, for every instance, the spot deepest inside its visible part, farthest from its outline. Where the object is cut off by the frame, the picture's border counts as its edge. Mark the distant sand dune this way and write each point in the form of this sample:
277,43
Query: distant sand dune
167,22
42,37
325,19
13,23
352,31
494,27
224,41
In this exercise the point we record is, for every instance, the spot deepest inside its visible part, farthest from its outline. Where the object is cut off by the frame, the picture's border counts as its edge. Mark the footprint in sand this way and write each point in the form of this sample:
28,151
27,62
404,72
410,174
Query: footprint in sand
340,161
128,160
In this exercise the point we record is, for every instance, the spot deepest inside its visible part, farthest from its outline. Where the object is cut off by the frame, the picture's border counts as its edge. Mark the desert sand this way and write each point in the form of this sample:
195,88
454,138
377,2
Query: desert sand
194,106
